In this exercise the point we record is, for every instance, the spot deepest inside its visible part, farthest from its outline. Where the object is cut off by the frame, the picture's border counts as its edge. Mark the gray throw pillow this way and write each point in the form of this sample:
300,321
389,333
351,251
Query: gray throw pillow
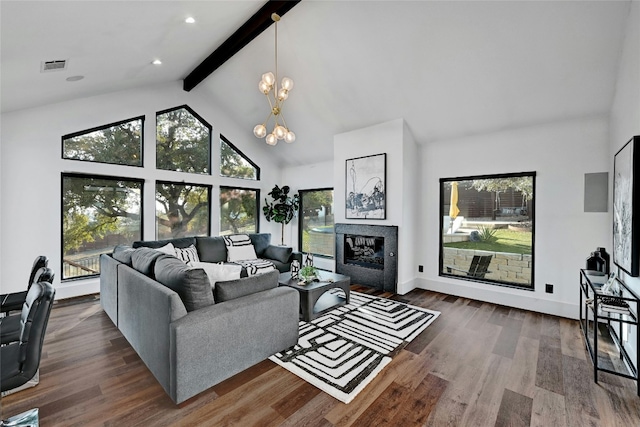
211,249
191,284
232,289
260,242
144,259
279,253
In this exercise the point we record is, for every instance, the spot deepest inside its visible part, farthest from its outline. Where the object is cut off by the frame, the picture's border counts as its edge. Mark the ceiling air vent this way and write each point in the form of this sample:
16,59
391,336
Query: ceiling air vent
47,66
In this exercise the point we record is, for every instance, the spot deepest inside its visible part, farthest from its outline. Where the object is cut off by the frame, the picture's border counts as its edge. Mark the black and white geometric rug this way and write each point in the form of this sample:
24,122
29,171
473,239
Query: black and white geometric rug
341,351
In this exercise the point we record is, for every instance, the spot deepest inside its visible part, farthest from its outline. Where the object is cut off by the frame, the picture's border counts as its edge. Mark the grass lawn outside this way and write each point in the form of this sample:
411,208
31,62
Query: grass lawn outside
516,242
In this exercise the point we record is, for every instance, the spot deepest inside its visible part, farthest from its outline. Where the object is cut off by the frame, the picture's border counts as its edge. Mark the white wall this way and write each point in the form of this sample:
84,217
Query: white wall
625,116
31,165
560,153
308,177
407,237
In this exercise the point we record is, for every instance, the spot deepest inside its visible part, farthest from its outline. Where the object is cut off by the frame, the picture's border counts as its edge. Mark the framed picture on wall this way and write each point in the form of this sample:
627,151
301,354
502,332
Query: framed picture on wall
626,202
365,190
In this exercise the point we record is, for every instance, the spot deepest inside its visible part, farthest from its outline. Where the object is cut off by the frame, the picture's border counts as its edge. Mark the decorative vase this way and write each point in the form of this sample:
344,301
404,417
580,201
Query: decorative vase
595,262
308,260
607,259
295,268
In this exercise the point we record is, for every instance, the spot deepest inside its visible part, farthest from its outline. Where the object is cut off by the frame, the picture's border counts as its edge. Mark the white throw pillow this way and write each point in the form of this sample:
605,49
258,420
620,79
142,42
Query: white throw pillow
189,254
240,253
218,272
168,249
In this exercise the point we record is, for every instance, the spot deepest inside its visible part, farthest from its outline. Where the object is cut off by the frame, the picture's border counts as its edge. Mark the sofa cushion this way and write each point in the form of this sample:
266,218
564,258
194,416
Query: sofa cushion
191,284
232,289
218,272
123,254
239,253
182,242
279,253
144,259
211,249
260,242
189,254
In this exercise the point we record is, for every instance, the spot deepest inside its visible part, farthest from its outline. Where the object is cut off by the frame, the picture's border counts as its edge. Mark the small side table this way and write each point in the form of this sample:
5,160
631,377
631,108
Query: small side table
313,301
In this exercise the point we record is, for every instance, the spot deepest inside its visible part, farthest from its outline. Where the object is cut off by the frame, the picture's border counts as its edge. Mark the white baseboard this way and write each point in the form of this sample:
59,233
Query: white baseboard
406,287
502,296
77,288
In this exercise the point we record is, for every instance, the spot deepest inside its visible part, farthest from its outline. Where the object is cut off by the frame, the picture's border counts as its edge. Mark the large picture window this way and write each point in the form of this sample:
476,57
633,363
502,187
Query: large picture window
317,234
117,143
183,141
238,210
234,164
98,213
487,226
182,210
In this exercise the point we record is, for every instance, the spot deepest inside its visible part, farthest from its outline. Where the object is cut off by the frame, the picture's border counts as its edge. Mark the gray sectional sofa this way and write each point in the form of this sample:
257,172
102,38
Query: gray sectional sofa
189,335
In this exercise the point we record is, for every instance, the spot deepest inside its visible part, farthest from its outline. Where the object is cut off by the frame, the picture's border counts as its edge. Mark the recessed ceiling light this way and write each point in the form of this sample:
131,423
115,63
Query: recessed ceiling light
74,78
157,62
190,20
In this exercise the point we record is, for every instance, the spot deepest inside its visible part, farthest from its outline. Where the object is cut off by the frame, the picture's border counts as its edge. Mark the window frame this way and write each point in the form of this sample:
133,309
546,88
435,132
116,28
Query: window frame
300,219
103,127
63,175
229,187
209,205
244,156
202,121
441,267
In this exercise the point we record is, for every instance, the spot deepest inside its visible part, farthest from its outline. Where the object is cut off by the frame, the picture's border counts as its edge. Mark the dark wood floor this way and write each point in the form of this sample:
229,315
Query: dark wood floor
478,364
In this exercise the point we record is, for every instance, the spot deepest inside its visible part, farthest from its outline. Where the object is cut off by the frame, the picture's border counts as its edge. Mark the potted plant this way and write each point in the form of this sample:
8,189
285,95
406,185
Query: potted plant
282,208
308,273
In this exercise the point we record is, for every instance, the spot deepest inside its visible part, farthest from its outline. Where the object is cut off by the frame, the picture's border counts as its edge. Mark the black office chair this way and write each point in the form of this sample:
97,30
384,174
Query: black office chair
14,301
19,361
10,325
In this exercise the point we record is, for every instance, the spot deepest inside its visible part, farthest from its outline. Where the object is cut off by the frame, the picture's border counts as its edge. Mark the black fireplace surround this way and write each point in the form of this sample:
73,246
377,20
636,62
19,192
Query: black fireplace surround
368,254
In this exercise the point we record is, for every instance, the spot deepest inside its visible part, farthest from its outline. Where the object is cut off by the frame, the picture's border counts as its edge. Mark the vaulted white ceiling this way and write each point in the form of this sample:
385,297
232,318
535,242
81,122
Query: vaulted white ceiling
450,69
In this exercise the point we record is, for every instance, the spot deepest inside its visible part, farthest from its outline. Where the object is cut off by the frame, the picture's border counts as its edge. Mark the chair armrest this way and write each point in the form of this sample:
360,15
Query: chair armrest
449,268
12,302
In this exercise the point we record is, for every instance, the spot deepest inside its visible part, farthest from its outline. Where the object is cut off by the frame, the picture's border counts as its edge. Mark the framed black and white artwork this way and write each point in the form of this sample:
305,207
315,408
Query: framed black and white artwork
366,187
626,202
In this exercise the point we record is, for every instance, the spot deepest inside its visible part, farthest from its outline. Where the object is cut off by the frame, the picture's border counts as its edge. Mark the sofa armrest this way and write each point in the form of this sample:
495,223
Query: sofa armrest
109,286
214,343
145,311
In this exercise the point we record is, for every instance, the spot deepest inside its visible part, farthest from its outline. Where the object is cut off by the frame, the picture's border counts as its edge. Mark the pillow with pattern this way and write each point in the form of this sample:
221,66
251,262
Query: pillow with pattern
188,254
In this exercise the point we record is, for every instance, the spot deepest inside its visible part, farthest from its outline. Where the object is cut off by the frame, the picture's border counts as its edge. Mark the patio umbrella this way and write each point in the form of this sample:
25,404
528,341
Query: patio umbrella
453,209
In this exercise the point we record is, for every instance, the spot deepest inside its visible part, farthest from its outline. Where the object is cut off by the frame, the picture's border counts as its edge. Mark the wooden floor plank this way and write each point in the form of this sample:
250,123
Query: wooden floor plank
478,364
577,390
515,410
572,342
521,377
549,368
548,409
418,406
508,339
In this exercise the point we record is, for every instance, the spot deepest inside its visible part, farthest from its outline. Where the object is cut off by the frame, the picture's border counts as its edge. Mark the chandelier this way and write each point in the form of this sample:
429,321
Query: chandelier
276,97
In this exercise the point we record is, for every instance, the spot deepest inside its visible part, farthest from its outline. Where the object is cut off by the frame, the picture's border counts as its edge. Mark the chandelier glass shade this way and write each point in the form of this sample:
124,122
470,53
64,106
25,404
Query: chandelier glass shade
276,97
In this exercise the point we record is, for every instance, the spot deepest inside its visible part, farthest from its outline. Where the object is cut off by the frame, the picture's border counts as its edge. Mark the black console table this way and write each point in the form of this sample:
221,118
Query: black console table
597,325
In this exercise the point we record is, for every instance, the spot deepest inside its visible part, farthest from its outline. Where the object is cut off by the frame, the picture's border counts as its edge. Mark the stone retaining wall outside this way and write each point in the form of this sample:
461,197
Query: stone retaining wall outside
508,267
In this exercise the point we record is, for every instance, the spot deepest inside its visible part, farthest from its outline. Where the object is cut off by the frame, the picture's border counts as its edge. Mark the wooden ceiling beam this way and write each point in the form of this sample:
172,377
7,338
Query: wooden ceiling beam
251,29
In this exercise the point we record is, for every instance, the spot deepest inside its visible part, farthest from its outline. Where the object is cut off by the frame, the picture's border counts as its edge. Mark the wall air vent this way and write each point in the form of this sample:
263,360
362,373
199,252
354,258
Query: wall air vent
47,66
